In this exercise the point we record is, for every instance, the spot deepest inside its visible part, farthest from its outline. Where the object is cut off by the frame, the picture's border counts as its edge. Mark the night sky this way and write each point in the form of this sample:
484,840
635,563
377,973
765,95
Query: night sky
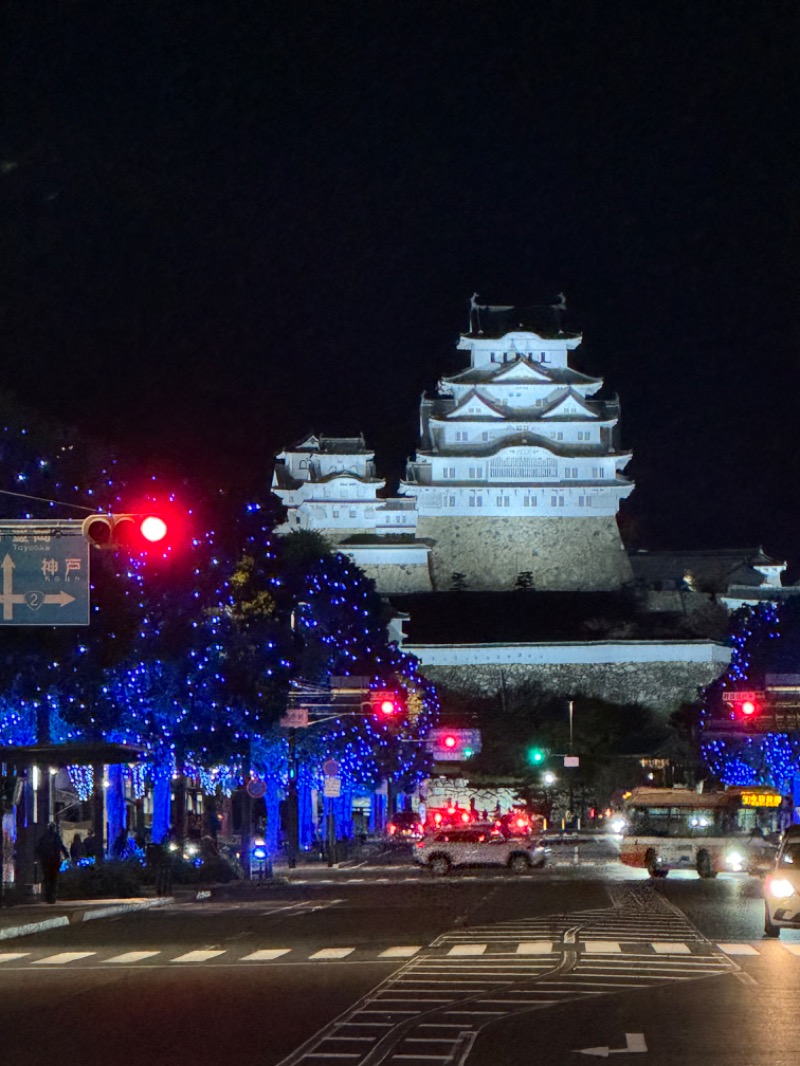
226,224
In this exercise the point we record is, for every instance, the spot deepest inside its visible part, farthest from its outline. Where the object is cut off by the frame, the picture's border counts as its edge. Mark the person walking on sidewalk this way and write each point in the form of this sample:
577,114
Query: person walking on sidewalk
49,851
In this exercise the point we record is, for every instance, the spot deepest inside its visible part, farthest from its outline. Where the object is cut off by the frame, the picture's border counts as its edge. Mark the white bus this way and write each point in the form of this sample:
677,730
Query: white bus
679,829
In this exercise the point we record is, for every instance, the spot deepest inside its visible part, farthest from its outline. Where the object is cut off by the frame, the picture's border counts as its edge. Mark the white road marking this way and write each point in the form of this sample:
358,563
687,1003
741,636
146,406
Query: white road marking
9,956
602,947
534,947
399,953
197,956
793,948
332,953
467,949
670,948
737,949
63,958
133,956
265,955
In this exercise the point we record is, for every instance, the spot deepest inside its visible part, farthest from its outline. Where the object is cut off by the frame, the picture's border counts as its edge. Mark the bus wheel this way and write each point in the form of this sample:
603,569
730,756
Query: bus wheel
704,867
650,864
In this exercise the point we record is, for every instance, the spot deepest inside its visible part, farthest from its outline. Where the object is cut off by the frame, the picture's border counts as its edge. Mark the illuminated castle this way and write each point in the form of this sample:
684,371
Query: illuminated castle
515,483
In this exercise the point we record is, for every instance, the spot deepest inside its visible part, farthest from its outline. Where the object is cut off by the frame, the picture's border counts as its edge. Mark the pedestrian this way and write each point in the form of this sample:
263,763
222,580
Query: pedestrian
77,850
90,845
49,850
120,845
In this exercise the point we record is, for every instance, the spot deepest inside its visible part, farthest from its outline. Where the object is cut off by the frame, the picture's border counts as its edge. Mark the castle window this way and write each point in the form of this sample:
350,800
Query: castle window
559,436
503,501
461,434
353,514
475,499
485,435
530,501
449,471
335,513
303,464
476,471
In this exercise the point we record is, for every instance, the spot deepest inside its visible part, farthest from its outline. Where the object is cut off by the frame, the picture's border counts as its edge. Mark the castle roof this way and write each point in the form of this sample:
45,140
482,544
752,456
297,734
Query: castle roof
500,320
332,445
520,372
718,569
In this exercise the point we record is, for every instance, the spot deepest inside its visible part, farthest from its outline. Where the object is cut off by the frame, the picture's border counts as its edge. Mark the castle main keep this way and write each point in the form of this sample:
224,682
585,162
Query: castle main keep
515,483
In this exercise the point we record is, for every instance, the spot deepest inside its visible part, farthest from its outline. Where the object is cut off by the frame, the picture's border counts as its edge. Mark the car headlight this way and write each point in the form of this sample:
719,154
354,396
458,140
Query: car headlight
734,860
780,888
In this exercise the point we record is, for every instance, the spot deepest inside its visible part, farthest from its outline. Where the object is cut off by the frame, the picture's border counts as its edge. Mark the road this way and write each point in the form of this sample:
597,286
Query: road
358,967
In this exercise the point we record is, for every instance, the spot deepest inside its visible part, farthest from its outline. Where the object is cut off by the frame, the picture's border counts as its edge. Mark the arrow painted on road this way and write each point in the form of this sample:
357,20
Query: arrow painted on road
634,1042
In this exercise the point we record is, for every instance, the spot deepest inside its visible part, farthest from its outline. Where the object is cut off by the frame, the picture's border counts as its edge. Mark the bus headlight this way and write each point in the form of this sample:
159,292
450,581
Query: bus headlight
735,861
779,887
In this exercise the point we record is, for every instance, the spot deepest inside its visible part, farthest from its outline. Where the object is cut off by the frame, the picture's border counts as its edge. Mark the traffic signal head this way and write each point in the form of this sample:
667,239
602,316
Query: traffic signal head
536,756
143,532
748,708
386,706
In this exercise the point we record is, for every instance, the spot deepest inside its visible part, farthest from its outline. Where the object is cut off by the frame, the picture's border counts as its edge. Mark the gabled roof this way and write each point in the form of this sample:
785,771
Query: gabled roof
557,407
487,408
521,371
332,445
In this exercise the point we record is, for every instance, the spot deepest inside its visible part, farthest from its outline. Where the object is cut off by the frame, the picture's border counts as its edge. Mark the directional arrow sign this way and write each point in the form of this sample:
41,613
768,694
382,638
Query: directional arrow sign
45,574
634,1042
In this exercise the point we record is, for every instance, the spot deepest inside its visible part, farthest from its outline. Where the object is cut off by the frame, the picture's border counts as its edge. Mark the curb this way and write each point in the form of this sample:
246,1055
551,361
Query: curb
9,932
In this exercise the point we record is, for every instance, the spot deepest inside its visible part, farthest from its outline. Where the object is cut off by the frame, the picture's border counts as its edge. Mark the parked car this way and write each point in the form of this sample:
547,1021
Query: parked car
404,826
478,846
782,886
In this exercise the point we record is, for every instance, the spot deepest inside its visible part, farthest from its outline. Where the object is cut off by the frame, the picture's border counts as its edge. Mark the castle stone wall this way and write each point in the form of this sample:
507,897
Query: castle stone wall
561,554
662,686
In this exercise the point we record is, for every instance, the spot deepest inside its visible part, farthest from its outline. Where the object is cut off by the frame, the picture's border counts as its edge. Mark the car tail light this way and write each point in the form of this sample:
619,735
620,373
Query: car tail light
391,829
420,844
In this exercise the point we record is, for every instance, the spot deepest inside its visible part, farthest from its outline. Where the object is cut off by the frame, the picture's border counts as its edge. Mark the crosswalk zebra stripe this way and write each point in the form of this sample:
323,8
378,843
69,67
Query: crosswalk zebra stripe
63,958
197,956
467,949
737,949
332,953
266,955
133,956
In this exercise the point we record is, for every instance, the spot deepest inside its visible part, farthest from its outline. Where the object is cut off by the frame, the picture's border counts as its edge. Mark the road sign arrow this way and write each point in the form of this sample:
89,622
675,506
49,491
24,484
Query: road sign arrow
634,1043
61,598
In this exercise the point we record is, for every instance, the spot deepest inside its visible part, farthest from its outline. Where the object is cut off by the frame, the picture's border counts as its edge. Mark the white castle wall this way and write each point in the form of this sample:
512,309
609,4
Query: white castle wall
657,674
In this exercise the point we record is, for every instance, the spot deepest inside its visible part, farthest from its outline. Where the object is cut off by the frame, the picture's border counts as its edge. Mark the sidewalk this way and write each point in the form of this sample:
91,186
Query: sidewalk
28,918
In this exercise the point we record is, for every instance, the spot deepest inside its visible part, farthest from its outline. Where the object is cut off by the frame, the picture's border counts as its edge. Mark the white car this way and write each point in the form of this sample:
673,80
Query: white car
782,886
473,846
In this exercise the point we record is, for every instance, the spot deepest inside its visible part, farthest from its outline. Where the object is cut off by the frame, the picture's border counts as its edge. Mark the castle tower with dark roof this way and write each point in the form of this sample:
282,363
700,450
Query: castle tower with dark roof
516,481
518,478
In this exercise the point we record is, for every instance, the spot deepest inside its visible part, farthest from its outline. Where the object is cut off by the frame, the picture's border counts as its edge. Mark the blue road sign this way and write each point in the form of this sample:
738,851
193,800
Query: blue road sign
44,574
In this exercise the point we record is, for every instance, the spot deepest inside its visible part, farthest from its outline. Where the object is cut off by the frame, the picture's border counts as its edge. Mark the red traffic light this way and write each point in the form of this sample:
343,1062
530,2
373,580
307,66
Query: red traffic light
136,532
748,708
386,705
449,741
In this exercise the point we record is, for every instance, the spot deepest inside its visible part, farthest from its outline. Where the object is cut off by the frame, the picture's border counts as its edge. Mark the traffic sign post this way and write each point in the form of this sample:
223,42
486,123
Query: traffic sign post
45,574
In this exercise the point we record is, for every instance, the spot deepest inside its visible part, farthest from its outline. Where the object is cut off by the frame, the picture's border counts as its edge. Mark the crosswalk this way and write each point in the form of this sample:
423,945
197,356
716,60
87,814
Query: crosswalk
448,955
433,1008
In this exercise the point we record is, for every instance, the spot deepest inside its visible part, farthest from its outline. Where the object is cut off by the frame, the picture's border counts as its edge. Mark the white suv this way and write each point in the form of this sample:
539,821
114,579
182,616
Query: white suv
473,846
